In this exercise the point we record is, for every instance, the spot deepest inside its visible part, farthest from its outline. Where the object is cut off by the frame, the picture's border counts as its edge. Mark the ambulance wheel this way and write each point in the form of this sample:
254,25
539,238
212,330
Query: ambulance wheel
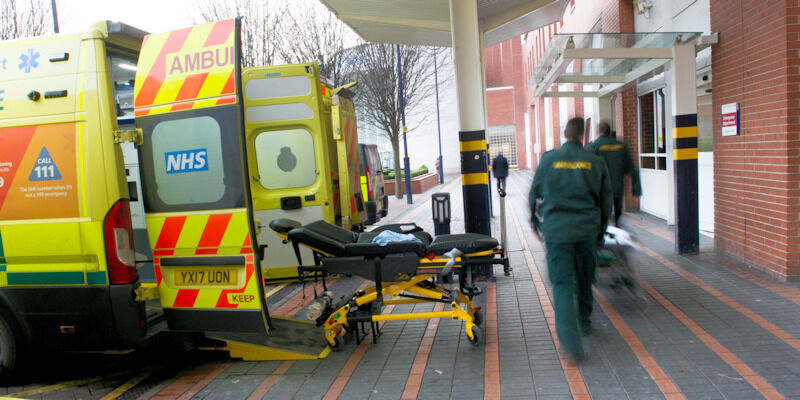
476,335
9,349
337,344
477,317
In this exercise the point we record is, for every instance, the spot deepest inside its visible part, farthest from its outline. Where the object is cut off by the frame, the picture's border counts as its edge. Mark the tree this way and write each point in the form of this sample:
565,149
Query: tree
374,66
23,21
261,33
311,32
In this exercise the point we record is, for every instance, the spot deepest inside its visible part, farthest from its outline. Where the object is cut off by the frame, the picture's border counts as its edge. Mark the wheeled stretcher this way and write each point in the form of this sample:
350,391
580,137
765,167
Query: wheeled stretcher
403,272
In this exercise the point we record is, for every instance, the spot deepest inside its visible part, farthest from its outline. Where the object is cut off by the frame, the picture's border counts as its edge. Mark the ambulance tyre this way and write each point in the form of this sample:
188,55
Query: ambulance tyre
9,348
476,335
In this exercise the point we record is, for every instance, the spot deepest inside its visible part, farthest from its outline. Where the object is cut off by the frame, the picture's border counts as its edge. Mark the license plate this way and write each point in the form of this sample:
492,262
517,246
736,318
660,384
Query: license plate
206,277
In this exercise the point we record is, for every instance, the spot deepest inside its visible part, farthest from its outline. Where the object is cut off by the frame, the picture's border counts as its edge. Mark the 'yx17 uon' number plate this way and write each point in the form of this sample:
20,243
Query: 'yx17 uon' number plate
206,277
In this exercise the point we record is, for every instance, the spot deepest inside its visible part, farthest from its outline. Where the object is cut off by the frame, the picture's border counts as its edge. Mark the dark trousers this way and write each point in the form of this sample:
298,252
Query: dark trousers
501,182
617,210
571,267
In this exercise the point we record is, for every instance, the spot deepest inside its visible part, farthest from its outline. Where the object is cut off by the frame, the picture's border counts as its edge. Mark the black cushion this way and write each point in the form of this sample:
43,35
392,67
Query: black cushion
333,231
466,242
324,236
284,225
320,242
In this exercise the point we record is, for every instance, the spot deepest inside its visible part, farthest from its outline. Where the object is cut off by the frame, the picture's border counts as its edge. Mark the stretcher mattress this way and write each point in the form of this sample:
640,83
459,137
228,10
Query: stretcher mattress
339,242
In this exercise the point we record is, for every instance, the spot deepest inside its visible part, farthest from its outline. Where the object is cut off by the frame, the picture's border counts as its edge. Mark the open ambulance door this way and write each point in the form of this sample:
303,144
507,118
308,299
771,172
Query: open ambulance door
290,156
345,134
196,196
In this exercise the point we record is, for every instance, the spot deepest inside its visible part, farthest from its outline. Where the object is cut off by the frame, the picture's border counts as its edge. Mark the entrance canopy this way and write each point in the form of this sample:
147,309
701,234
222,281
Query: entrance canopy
427,22
596,64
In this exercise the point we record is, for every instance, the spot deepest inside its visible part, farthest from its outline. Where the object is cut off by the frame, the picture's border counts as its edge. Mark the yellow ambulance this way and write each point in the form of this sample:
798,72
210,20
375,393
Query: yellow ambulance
221,151
67,265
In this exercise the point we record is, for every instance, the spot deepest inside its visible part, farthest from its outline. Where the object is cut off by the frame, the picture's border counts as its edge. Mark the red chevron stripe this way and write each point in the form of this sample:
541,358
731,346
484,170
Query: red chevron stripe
168,237
220,33
191,86
155,77
229,85
212,234
186,105
222,301
186,298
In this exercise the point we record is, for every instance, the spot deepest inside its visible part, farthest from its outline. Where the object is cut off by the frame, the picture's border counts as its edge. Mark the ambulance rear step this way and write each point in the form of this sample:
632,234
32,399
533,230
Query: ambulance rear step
289,339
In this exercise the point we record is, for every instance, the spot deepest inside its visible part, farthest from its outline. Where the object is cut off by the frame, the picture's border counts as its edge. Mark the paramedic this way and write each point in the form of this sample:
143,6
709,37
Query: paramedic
570,203
618,160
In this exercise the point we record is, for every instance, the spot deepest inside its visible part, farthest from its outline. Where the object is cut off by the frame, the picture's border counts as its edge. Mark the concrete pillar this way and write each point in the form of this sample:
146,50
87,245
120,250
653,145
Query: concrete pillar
684,145
467,54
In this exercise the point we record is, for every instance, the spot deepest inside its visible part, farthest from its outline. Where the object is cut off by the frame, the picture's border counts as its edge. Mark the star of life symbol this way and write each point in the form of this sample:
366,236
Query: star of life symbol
28,60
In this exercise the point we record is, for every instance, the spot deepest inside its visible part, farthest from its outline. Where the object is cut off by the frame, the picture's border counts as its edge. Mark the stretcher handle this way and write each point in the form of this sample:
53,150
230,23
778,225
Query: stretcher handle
452,255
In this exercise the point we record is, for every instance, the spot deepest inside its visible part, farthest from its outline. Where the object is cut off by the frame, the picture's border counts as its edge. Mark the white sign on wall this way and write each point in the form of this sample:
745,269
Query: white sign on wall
730,119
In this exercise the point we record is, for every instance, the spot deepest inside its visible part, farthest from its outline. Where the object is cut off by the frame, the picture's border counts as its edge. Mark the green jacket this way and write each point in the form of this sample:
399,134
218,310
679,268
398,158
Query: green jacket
619,163
571,195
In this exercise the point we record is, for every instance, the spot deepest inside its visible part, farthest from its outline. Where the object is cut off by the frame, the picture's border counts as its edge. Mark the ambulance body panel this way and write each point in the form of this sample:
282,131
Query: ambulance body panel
64,217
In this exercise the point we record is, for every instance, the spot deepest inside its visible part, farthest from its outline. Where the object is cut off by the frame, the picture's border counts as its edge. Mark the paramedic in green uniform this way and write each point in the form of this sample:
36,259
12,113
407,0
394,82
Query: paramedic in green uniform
570,202
618,160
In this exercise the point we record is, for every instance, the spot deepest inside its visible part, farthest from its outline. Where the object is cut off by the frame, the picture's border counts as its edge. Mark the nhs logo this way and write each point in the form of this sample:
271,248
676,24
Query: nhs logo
186,161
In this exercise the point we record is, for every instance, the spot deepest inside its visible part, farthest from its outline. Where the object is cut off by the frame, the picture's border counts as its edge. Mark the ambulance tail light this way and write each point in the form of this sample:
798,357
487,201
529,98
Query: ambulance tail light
369,186
120,253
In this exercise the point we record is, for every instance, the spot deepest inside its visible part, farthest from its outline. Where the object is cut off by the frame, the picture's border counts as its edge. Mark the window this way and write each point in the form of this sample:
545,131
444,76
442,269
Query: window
652,131
503,138
191,160
286,159
123,72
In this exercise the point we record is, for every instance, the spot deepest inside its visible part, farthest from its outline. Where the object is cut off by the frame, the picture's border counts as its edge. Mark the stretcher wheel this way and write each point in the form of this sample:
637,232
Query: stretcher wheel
337,343
477,317
476,335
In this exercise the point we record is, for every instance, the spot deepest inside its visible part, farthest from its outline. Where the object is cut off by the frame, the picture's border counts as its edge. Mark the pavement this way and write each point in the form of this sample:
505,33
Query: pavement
697,327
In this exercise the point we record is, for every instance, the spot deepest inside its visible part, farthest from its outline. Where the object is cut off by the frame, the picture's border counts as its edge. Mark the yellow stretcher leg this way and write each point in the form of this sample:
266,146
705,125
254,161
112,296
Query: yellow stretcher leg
338,323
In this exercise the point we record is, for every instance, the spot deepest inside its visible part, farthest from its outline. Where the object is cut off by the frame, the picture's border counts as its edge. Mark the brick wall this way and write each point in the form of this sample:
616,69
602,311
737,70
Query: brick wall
500,106
757,174
505,68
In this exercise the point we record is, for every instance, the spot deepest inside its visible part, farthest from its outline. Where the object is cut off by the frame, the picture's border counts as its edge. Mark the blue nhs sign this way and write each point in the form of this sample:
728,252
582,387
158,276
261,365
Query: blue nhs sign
186,161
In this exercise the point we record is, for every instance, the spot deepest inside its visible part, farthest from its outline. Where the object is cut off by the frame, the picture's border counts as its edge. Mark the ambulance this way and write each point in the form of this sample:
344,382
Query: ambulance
221,150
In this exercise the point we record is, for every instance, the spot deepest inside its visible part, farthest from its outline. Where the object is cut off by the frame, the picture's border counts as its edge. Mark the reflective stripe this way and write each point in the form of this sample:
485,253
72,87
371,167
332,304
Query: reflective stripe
186,64
472,145
685,132
480,178
684,154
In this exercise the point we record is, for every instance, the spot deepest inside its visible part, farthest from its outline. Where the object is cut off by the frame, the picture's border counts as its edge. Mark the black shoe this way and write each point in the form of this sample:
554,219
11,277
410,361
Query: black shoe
586,329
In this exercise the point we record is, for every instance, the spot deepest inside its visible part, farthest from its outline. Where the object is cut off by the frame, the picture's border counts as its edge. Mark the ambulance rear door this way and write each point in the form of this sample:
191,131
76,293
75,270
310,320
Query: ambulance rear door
289,156
187,105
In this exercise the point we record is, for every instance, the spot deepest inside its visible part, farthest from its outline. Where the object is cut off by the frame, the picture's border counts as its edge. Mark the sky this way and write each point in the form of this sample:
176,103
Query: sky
148,15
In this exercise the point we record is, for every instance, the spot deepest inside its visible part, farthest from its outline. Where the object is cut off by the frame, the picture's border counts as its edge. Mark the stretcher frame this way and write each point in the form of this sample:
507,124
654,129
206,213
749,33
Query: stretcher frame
366,306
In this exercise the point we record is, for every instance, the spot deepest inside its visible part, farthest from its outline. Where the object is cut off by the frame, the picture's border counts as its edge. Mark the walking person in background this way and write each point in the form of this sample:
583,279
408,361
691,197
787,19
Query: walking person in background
570,203
500,170
619,162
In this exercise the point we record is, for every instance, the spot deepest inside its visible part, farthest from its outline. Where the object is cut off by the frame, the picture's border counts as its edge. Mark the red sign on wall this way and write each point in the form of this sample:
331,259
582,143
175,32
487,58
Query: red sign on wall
730,119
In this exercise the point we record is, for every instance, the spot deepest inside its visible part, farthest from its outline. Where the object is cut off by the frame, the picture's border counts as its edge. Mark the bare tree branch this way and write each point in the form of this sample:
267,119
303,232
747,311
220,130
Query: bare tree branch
374,66
30,19
260,26
313,33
